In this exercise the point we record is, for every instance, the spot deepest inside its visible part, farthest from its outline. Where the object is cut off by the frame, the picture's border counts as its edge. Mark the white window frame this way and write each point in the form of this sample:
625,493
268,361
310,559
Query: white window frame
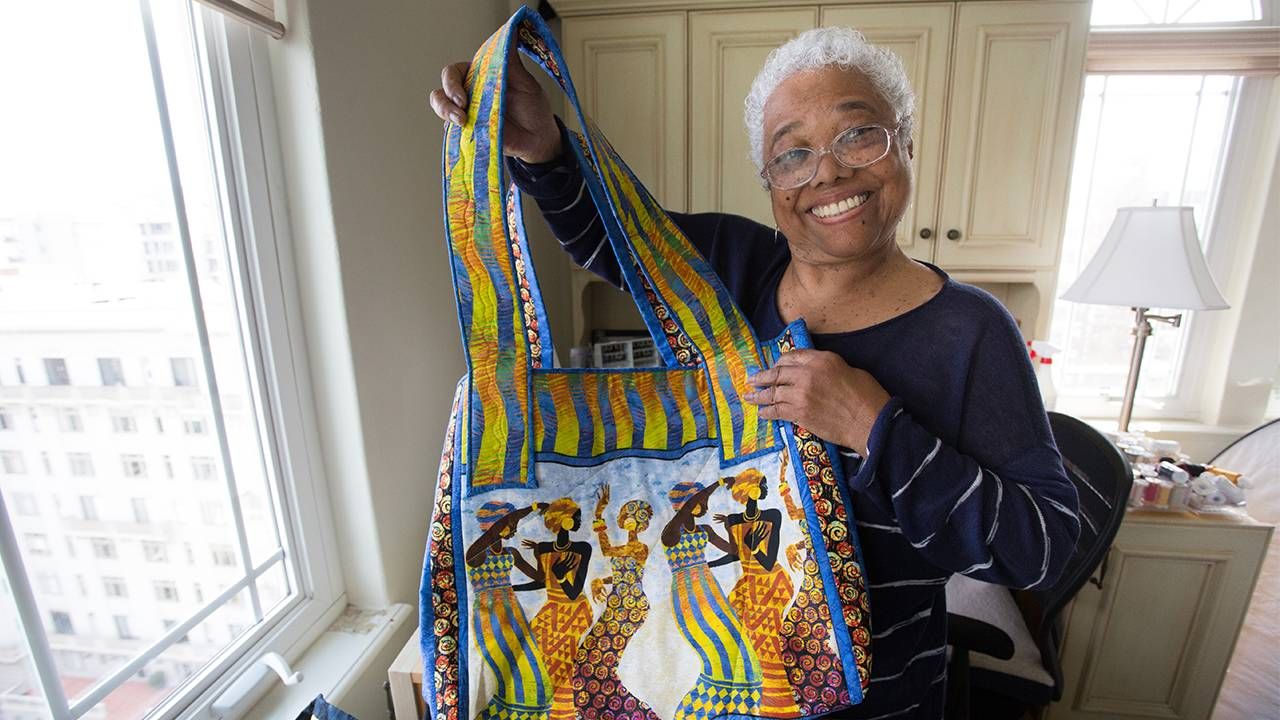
1227,219
239,98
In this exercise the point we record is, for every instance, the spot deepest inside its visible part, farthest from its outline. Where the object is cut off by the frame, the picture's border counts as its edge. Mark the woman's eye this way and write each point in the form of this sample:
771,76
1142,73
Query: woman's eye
792,158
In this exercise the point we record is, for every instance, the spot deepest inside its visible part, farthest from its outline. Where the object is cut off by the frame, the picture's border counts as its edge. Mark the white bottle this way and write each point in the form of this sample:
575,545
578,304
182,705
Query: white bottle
1042,354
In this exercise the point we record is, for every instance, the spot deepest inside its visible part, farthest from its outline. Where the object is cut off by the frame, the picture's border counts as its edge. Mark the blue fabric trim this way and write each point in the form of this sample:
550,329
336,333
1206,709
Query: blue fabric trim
590,461
460,583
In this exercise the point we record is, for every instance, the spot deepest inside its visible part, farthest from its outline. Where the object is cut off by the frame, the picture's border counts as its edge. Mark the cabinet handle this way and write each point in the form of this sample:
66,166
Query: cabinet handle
1102,571
953,234
926,233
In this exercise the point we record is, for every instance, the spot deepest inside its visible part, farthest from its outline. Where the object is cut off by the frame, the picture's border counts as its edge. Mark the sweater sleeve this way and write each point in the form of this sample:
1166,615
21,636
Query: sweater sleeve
733,245
997,506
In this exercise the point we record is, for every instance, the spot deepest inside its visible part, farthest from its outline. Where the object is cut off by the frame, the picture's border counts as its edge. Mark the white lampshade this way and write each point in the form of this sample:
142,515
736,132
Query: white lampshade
1150,258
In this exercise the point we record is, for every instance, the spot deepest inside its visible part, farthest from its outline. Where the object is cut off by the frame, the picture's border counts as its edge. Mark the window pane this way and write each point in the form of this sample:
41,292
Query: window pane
102,338
1141,138
1173,12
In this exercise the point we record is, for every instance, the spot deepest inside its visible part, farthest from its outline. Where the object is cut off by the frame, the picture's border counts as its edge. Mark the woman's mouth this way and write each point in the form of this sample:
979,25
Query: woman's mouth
836,210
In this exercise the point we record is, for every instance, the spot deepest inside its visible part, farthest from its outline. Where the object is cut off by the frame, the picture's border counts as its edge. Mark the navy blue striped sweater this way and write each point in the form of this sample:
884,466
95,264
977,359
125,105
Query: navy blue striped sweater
961,475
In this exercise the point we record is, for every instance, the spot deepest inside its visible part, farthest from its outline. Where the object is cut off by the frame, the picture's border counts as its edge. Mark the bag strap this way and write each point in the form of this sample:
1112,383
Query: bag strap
686,308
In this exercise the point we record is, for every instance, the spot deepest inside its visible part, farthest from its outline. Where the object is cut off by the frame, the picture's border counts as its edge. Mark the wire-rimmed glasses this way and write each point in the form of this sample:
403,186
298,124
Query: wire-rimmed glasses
854,148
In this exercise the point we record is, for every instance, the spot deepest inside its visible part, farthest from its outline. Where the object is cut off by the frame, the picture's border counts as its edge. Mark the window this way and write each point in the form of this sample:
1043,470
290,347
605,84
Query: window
104,548
38,544
134,466
217,274
212,513
203,468
123,423
114,587
12,463
69,421
24,504
171,624
6,419
62,623
81,464
1147,137
184,372
111,371
55,369
223,556
166,591
193,426
88,508
17,369
140,514
48,584
159,425
153,551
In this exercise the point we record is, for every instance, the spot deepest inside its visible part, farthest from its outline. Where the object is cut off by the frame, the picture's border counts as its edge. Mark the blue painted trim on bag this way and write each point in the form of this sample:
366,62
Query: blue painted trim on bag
670,454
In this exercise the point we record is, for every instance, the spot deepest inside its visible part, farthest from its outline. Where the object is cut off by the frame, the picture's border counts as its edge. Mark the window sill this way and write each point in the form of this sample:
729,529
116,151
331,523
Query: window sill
347,664
1198,440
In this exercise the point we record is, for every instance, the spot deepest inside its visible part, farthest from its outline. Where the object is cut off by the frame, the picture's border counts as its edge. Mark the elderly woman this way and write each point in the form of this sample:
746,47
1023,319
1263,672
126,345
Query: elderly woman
924,380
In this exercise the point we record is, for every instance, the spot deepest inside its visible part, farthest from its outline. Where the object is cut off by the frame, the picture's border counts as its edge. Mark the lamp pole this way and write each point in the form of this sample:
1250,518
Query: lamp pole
1141,331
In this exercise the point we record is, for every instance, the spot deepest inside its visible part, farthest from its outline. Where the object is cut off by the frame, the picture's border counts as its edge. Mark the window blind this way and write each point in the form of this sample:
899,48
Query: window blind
260,14
1226,51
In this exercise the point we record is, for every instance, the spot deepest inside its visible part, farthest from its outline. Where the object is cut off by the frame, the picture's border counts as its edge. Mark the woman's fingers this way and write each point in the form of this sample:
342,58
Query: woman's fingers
453,78
445,108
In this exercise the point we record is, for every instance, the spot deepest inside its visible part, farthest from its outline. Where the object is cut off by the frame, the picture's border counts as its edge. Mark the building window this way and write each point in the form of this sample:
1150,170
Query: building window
47,462
12,463
38,544
48,584
159,425
194,426
140,514
166,591
104,548
111,370
17,369
88,508
171,624
62,623
69,421
55,369
135,466
114,587
24,504
211,512
81,464
122,627
6,419
123,423
184,372
153,551
223,556
203,468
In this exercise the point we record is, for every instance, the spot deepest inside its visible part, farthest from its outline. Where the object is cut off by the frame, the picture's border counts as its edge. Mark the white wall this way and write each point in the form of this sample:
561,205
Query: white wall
362,158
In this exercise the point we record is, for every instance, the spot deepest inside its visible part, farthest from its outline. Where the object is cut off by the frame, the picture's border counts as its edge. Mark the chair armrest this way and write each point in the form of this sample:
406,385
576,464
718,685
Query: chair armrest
966,633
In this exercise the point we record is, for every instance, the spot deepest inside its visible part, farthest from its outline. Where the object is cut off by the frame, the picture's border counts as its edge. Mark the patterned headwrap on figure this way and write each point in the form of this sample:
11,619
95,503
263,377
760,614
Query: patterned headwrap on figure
639,511
491,512
558,513
683,491
745,482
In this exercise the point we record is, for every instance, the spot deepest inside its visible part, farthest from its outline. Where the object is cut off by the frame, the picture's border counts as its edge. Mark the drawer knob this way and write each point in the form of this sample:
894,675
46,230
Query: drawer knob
926,233
953,234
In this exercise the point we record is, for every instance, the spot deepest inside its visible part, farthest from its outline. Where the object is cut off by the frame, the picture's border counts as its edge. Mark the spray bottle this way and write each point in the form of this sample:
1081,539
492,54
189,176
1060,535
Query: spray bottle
1042,357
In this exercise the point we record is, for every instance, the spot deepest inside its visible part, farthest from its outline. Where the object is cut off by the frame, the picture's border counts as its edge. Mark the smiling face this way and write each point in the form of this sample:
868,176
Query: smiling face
842,214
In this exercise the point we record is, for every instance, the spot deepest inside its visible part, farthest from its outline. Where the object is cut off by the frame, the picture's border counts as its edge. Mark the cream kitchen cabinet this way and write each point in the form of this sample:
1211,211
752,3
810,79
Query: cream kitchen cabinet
1153,641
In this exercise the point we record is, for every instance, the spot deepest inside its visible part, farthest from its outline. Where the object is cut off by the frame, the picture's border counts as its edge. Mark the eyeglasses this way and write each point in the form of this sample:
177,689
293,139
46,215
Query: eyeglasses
854,148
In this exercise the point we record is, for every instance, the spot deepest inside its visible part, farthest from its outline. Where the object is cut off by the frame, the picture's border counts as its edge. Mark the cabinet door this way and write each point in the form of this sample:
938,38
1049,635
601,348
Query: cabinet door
1154,641
726,50
1015,95
629,71
921,36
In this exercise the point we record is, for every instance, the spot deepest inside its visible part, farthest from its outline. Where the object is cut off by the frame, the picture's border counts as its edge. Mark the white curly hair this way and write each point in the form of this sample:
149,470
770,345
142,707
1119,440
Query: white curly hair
822,47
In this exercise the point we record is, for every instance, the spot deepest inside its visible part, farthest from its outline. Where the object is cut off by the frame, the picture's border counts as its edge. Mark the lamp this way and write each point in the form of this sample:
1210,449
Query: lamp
1151,257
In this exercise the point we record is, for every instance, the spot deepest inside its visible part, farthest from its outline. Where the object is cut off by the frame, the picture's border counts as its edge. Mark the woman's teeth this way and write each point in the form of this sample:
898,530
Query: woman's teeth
836,208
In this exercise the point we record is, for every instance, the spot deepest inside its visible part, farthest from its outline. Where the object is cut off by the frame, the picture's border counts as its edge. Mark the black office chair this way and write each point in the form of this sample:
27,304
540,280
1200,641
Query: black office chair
1005,643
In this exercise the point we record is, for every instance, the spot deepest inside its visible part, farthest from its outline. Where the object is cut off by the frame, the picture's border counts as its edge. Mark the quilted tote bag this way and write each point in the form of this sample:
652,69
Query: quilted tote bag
622,543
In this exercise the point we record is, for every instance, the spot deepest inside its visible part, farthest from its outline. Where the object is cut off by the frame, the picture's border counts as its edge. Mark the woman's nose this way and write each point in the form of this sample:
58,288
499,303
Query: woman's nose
828,169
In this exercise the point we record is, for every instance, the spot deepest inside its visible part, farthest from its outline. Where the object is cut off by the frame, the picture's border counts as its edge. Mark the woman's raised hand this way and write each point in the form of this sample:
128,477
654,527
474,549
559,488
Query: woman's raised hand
529,133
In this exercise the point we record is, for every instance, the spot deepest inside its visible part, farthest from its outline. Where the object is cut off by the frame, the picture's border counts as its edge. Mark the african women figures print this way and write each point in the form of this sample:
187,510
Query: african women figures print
764,590
730,678
501,630
598,692
560,567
